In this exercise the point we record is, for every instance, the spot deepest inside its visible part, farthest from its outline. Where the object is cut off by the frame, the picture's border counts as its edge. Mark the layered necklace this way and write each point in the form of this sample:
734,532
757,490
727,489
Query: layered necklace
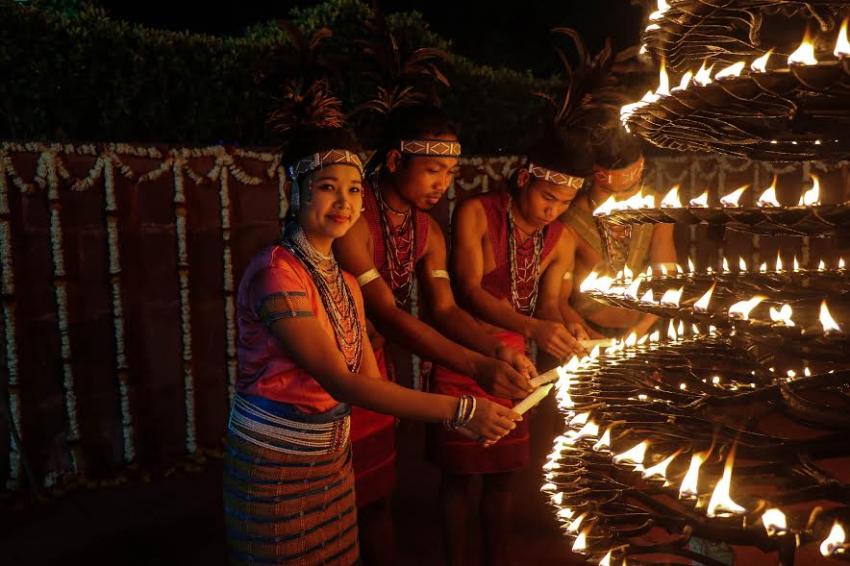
336,296
616,240
400,247
524,263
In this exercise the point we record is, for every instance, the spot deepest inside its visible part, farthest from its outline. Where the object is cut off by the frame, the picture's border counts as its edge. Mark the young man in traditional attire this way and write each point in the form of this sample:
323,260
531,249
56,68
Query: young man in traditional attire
512,264
606,248
394,241
304,355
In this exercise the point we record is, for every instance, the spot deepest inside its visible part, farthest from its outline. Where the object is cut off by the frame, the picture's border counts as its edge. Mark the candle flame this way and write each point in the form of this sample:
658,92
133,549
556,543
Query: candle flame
663,6
631,341
672,297
733,70
726,266
782,315
604,442
690,483
805,53
731,200
763,267
744,308
685,81
576,525
721,502
660,469
589,429
701,201
768,197
841,263
671,199
779,265
606,207
558,498
579,419
691,267
671,332
647,297
812,196
681,329
826,320
774,521
627,273
760,64
703,76
634,456
842,45
566,513
634,289
663,81
702,304
821,266
589,282
742,265
834,541
655,336
603,284
606,561
581,541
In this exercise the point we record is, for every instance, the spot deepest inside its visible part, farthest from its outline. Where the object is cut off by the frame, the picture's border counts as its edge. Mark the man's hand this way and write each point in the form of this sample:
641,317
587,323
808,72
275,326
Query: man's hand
581,332
554,339
517,360
499,379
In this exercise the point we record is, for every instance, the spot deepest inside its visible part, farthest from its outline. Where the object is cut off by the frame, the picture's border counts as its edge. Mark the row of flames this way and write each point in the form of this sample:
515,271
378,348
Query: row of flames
582,426
803,55
609,286
671,200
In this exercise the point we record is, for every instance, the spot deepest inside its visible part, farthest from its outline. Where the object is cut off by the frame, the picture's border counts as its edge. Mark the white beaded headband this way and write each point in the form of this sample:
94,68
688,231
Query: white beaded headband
436,148
555,177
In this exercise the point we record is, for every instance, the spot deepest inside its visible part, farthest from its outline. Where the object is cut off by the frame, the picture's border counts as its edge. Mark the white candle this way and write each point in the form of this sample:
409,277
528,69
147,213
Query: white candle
535,397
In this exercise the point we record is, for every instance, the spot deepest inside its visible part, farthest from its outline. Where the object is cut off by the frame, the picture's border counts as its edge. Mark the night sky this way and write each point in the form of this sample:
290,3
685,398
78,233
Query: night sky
516,37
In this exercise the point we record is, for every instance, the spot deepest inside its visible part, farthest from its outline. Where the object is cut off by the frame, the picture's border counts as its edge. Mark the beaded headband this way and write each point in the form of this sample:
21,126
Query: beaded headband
619,178
437,148
555,177
317,161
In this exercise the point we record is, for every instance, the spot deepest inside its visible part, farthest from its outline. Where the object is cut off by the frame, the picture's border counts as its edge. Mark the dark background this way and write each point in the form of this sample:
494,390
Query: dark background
514,35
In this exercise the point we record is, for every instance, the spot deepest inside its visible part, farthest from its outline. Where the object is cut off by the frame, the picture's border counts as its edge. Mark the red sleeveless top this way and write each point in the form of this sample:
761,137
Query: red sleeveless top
498,281
406,244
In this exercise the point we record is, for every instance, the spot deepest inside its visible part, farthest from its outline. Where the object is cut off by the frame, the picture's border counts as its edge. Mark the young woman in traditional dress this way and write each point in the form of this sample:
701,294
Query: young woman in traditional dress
304,359
512,263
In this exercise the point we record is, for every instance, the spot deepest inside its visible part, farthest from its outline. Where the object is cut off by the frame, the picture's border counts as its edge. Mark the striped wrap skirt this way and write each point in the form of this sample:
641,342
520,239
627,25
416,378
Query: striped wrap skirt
289,485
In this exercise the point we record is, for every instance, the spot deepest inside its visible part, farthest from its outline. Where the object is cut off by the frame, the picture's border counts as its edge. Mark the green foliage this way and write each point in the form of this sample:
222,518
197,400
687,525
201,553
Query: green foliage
70,73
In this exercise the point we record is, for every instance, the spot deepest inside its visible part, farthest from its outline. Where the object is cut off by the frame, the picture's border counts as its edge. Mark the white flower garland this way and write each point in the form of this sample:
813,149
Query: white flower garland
48,170
109,160
178,164
283,203
229,306
8,287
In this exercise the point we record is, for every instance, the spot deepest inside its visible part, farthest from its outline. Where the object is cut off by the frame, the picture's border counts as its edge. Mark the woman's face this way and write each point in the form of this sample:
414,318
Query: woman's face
423,180
336,199
541,202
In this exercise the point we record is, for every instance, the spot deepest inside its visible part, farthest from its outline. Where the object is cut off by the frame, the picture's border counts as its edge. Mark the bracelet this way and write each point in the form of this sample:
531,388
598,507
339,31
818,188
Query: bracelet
466,405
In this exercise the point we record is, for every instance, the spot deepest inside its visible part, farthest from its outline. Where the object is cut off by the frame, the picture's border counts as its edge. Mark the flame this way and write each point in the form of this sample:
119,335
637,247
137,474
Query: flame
604,442
744,308
807,372
726,266
842,45
631,341
672,297
579,419
685,81
702,304
826,320
627,273
589,429
782,315
681,329
768,197
691,480
671,332
841,263
691,267
633,290
733,70
647,297
558,498
603,284
655,336
812,196
774,521
701,201
566,513
760,64
548,487
821,266
720,501
671,199
663,81
742,265
606,561
589,282
763,267
805,54
581,541
694,329
606,207
660,469
834,541
643,339
779,266
634,456
663,6
576,525
731,200
703,76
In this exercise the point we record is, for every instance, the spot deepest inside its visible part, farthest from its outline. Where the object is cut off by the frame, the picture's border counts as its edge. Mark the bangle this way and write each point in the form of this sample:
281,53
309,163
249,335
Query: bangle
466,405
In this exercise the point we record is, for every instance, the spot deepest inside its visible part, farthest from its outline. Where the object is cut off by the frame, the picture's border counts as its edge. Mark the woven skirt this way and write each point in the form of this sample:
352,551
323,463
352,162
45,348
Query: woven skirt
289,486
